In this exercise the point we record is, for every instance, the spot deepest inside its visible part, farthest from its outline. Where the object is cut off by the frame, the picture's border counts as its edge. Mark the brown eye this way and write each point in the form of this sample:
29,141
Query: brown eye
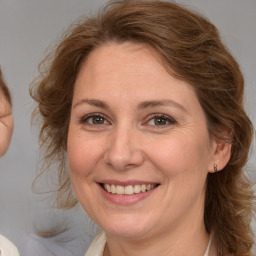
97,120
94,119
160,121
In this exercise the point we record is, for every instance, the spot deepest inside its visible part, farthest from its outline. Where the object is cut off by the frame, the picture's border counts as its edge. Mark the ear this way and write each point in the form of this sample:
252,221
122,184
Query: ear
221,153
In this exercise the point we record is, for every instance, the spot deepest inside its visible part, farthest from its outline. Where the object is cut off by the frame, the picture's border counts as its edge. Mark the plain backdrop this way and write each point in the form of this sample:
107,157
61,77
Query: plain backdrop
27,28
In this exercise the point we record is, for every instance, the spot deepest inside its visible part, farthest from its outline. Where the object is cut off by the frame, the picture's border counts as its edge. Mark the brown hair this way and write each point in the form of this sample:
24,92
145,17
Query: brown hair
4,89
191,47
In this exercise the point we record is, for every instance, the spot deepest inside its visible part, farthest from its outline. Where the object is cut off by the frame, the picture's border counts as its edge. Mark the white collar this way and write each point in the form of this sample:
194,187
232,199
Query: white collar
208,246
98,245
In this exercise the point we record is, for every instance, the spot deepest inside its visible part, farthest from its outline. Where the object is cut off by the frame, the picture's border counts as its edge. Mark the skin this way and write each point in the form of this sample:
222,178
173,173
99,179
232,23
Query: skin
6,124
125,86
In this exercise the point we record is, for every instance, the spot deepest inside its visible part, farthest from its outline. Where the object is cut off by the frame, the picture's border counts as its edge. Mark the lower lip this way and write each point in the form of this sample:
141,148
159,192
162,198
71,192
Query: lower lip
126,199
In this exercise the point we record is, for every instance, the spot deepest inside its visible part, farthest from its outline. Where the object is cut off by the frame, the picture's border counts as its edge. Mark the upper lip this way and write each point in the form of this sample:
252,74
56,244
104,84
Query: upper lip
127,182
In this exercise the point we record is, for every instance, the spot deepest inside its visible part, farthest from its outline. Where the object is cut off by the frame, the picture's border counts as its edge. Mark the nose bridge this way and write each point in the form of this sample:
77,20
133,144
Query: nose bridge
123,151
122,137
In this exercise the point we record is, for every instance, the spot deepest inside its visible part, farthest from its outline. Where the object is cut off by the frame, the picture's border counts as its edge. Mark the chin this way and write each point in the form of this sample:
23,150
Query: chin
127,232
127,227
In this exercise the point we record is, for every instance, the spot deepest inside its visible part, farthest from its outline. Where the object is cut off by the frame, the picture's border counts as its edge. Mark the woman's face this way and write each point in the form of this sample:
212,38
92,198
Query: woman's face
138,146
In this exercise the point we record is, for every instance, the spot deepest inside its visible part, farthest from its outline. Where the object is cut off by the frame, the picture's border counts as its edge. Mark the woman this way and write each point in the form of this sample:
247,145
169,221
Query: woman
147,104
6,128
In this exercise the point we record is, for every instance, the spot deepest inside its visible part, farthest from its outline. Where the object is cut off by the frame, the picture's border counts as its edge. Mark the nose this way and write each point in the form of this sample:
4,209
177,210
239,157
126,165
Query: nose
124,152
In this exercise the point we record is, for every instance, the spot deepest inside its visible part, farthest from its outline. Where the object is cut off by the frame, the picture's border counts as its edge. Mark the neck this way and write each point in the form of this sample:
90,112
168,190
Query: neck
192,241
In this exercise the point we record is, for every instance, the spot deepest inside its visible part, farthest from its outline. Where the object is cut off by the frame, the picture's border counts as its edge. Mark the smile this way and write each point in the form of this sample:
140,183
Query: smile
127,190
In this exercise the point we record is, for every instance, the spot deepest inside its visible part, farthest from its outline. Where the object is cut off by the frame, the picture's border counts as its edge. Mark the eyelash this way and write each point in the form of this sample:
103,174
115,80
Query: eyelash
169,121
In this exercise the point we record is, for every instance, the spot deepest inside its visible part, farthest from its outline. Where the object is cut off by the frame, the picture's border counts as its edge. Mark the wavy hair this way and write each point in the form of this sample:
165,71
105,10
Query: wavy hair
191,49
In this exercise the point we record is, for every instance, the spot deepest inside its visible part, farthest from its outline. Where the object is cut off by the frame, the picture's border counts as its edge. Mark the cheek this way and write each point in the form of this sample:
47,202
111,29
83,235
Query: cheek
180,155
182,162
83,158
82,155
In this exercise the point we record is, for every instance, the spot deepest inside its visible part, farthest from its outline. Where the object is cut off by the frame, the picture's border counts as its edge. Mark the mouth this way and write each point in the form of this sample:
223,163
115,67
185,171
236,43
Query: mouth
128,189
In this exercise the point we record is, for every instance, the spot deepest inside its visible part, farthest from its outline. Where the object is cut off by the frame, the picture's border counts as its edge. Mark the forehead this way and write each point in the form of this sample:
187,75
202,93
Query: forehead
128,56
124,64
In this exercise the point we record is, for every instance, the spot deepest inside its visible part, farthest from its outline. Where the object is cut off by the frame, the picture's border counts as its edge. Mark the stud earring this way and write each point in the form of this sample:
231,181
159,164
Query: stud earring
215,167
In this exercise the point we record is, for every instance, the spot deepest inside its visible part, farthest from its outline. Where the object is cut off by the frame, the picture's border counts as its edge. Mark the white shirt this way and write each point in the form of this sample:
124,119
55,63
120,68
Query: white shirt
7,248
98,245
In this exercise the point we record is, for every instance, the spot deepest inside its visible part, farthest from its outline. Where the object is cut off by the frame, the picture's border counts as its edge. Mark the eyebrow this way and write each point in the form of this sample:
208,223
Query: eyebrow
163,102
93,102
141,105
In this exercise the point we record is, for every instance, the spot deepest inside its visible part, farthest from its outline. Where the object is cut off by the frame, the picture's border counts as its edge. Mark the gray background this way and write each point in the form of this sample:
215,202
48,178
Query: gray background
27,28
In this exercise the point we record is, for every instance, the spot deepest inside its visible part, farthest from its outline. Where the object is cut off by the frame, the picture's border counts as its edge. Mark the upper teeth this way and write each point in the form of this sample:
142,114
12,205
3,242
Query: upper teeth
128,190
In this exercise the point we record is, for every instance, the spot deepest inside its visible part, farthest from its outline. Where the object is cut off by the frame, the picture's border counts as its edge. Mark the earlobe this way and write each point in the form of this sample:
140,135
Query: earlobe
221,155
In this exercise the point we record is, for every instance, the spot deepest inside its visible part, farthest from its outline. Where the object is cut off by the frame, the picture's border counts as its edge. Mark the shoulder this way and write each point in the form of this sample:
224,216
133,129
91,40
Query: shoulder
7,248
64,244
